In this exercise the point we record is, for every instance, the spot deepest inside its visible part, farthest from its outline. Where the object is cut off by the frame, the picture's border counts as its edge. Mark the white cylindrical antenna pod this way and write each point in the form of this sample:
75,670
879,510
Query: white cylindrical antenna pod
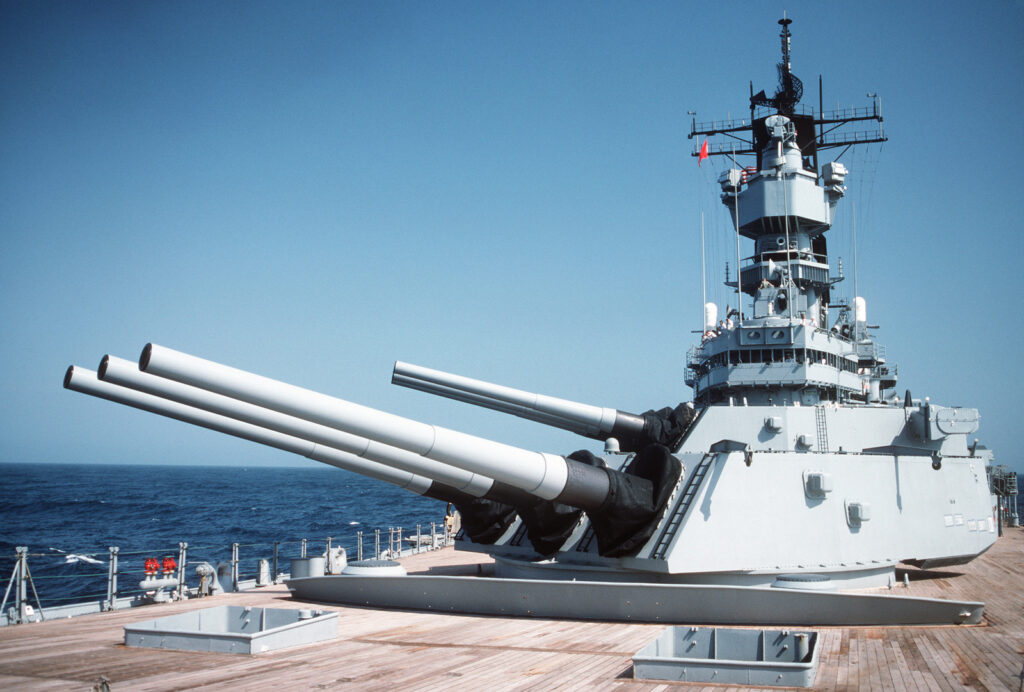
595,422
125,373
860,309
710,316
543,475
85,381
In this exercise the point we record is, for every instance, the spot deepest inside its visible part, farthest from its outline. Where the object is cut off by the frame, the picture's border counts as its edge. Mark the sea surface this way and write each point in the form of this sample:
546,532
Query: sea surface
69,514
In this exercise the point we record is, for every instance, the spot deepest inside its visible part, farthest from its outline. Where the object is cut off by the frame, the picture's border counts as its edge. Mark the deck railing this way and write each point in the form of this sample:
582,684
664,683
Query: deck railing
31,598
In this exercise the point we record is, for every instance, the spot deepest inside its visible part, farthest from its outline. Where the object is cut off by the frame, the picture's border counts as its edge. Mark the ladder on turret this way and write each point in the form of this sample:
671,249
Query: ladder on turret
819,413
683,507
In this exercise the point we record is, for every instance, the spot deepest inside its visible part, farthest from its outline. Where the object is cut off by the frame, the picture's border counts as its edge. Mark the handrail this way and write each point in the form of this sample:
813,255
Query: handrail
189,556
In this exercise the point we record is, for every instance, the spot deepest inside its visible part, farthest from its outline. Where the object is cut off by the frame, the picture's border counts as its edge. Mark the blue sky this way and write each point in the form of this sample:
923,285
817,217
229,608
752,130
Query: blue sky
502,190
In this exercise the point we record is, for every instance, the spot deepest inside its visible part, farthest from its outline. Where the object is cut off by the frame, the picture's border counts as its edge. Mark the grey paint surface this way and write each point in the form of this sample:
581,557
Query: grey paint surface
730,656
639,602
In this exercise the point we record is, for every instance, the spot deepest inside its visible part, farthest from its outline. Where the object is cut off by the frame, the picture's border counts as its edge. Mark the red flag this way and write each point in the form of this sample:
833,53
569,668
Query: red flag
703,152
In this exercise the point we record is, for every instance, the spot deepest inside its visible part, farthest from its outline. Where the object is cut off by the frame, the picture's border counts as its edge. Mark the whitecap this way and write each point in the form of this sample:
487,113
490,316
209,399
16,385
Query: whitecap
71,559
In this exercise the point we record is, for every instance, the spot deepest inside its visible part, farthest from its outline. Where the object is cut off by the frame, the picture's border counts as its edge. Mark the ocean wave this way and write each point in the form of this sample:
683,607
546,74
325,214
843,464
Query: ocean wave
72,558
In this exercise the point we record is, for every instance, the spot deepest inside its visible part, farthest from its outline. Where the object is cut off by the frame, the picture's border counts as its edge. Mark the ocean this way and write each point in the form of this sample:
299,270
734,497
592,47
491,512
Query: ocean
69,514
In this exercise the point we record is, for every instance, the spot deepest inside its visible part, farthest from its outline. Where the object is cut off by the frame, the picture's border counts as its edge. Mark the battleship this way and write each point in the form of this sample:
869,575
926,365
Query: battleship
796,477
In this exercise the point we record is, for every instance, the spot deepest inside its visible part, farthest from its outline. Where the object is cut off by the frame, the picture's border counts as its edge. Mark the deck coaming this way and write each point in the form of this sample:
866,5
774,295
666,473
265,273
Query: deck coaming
380,649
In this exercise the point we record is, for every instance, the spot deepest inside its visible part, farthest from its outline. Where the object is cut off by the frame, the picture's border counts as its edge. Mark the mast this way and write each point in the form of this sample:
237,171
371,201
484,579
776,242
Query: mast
739,266
788,205
703,275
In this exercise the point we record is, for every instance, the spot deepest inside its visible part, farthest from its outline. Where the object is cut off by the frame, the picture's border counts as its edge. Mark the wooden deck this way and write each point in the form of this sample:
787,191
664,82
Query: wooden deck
428,651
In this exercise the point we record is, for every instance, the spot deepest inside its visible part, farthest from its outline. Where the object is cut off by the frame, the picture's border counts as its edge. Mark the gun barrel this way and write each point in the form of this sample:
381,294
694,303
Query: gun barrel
85,381
493,404
546,476
126,373
590,421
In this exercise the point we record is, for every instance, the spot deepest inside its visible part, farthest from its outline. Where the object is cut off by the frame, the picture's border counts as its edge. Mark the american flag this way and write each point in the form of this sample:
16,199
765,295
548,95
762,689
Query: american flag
748,172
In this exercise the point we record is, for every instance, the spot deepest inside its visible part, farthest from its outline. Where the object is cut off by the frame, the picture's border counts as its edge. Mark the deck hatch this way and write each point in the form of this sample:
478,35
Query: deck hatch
782,658
234,629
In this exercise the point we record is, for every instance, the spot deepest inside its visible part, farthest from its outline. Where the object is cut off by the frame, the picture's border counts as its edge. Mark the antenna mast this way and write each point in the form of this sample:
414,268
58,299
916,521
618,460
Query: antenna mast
703,274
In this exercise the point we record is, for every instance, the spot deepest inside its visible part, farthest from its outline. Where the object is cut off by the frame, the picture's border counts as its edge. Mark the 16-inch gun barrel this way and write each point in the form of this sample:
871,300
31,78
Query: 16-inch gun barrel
546,476
486,506
126,373
595,422
85,381
633,432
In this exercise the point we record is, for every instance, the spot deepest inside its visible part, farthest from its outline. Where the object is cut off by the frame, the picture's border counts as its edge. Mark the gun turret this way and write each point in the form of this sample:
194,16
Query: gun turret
626,504
633,432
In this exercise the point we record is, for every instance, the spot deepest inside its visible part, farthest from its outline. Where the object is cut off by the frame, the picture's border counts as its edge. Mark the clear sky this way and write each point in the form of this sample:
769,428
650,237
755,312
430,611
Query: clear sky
502,190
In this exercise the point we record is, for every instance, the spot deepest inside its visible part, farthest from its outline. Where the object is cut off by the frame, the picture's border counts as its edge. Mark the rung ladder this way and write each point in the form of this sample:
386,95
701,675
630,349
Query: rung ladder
683,507
819,412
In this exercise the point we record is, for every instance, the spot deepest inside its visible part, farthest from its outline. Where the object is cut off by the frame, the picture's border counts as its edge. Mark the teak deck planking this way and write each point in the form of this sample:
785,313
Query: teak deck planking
382,649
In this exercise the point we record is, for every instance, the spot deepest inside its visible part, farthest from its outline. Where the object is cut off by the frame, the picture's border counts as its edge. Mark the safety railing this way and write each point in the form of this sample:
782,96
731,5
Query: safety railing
118,581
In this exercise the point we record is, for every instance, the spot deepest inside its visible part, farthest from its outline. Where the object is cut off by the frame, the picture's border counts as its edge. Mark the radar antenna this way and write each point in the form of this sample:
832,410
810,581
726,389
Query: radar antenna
791,89
814,131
